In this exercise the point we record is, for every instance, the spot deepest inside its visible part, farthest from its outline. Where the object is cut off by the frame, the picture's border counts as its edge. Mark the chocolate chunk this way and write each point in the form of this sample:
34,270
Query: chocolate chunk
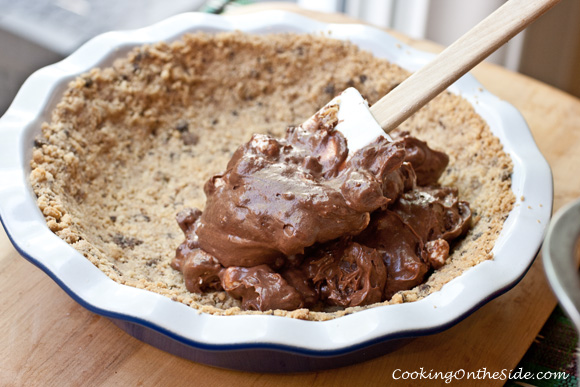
39,142
201,272
427,163
296,278
260,288
182,127
186,219
434,213
189,138
329,89
347,274
125,242
401,250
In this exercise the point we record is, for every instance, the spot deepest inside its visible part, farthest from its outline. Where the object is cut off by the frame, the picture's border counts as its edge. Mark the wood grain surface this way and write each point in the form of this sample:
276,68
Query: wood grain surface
46,338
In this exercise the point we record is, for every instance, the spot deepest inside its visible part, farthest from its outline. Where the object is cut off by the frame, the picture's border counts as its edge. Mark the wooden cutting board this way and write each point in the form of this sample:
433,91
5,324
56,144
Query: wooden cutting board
47,338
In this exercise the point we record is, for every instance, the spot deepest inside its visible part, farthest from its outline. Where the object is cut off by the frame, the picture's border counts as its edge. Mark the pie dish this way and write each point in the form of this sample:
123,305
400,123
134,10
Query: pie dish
263,342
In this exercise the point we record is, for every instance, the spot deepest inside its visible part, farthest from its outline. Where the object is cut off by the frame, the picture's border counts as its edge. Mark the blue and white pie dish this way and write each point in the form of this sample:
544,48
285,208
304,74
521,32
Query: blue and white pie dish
264,343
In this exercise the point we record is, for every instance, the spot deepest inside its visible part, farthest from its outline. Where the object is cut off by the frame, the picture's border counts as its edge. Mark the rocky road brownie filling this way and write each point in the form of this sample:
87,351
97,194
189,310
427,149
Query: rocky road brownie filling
296,223
131,144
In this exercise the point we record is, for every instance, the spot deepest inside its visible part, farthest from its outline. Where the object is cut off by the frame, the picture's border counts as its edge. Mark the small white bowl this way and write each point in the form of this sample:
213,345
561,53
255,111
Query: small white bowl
259,342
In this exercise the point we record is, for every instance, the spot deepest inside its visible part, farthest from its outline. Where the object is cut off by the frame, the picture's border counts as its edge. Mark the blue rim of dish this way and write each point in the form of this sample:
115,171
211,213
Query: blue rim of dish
286,20
284,348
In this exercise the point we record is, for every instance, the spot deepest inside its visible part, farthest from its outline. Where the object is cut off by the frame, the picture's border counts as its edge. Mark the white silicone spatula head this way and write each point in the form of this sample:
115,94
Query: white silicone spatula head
361,125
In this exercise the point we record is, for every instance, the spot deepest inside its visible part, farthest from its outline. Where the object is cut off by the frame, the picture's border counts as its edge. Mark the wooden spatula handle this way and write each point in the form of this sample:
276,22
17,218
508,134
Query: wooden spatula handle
456,60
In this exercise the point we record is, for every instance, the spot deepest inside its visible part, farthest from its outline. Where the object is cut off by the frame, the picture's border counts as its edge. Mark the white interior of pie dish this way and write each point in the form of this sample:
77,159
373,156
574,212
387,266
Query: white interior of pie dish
514,250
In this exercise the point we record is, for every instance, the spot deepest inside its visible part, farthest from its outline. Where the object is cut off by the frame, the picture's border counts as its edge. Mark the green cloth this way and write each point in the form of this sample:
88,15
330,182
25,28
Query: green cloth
554,350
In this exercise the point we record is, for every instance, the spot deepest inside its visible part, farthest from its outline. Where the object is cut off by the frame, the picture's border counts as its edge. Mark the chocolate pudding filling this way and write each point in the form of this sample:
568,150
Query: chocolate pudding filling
297,223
